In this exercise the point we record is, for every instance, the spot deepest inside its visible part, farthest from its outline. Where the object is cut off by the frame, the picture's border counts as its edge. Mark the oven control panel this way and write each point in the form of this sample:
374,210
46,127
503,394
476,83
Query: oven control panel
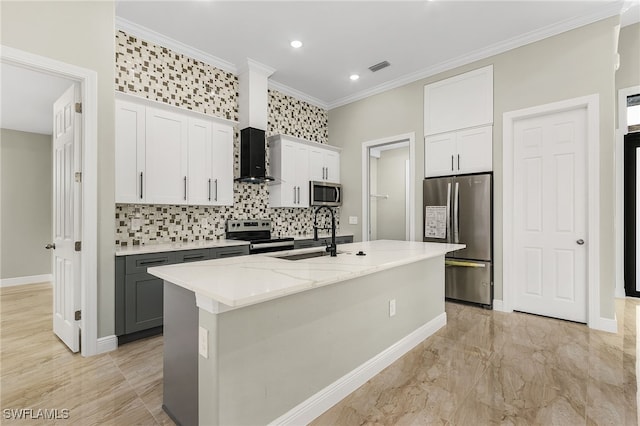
243,225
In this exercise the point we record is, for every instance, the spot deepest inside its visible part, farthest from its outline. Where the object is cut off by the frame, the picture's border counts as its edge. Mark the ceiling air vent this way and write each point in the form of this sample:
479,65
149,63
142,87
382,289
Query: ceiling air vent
379,66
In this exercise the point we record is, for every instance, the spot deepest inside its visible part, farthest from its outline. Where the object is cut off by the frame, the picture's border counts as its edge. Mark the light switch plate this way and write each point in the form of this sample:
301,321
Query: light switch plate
353,220
203,342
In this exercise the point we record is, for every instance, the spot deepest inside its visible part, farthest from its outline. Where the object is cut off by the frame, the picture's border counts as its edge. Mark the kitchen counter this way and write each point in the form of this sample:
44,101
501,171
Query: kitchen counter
165,247
242,281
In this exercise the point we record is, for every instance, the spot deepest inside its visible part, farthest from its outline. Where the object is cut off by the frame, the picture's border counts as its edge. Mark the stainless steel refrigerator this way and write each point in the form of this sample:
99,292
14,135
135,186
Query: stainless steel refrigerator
458,209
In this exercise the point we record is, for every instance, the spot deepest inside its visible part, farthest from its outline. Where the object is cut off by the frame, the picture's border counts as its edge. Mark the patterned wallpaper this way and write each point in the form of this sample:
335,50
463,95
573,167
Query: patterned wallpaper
157,73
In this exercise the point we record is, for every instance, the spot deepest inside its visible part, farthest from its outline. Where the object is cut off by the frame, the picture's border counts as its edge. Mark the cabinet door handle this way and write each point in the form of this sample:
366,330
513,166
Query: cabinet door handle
294,195
185,188
152,262
194,257
458,161
209,189
216,182
452,163
141,185
298,195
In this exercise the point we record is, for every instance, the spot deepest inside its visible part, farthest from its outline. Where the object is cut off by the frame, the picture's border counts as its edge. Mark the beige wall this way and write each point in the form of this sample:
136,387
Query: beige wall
26,203
391,181
82,34
572,64
629,49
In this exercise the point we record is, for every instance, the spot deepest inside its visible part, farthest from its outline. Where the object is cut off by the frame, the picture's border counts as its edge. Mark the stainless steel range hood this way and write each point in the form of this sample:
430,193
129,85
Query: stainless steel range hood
253,106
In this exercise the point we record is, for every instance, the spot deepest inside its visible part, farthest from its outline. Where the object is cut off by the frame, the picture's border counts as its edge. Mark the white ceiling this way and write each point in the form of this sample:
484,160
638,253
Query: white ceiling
27,99
418,38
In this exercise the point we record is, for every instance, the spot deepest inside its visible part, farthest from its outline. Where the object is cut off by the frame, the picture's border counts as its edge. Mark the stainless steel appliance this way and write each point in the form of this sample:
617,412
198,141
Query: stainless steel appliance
258,233
325,194
458,209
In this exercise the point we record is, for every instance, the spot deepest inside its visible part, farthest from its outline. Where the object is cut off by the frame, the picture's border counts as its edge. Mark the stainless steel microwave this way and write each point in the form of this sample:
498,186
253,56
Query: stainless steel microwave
325,194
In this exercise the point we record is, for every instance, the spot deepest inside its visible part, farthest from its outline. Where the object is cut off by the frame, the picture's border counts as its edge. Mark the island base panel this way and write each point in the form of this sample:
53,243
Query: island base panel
180,368
274,355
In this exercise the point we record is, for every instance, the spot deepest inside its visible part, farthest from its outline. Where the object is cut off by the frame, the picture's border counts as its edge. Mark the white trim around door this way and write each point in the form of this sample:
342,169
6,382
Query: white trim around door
366,146
592,105
619,170
88,80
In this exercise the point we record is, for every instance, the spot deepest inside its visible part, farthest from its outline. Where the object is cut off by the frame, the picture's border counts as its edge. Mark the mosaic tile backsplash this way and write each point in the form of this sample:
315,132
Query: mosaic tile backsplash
159,74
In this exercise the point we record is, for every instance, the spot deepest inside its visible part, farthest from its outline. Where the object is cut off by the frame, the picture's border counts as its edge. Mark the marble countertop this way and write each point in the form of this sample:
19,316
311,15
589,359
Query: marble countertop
246,280
164,247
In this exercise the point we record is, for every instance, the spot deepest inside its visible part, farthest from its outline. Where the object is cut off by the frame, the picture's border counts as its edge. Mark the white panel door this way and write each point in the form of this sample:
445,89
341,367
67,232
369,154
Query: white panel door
475,150
222,168
439,153
550,206
130,129
289,185
200,153
166,157
66,219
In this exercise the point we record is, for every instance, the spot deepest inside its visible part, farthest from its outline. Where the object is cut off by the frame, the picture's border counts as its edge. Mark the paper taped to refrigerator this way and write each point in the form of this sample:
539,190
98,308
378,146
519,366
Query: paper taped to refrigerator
435,222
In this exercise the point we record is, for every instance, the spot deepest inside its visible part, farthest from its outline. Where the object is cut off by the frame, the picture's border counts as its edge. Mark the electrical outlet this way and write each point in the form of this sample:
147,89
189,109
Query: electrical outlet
392,307
353,220
204,223
203,342
136,223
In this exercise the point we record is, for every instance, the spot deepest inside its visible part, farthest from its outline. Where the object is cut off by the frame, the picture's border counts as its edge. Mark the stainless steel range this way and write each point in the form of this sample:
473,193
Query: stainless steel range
258,233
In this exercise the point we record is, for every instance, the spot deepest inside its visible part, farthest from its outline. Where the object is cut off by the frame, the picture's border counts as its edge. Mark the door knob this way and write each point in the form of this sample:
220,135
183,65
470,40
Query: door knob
580,242
50,246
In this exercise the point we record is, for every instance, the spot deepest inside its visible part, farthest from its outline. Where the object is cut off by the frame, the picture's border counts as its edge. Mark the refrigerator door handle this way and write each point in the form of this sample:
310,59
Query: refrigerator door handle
448,225
456,216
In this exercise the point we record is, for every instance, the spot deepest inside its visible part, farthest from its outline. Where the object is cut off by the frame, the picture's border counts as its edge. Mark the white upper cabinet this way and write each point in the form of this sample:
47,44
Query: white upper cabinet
288,162
210,178
130,152
168,156
461,152
324,164
459,102
222,165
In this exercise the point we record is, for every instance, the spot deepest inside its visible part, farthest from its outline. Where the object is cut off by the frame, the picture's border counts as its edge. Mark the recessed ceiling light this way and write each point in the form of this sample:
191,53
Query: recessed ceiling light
354,77
296,44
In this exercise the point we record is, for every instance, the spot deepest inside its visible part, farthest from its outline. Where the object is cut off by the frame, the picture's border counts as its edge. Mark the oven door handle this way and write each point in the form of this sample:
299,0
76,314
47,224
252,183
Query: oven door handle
271,245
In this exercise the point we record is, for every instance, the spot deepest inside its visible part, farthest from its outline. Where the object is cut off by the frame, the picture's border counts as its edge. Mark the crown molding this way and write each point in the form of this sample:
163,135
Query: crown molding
608,11
175,45
257,67
301,96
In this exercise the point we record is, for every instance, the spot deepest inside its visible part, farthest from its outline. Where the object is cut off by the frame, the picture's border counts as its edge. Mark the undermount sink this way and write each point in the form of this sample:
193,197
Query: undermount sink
302,256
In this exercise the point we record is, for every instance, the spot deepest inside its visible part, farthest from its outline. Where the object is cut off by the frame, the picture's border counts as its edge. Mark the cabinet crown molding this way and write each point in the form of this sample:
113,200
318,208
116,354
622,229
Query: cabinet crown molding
280,137
172,108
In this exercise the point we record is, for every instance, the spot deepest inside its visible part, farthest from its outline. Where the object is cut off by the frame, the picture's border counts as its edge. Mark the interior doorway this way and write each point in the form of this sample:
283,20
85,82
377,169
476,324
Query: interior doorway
631,196
389,192
87,81
388,188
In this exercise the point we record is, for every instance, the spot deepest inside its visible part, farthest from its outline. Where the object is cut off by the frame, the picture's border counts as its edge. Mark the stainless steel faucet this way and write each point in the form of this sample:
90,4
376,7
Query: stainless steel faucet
331,248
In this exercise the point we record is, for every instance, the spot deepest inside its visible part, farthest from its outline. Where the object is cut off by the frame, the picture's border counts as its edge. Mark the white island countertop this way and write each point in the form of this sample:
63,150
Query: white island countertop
247,280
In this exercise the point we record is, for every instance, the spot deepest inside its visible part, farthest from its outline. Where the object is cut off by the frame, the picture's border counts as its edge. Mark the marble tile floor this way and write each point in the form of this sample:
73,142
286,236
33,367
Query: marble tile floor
484,367
37,371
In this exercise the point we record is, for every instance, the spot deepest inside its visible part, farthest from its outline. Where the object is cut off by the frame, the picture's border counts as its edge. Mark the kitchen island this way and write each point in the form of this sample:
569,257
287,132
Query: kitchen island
282,340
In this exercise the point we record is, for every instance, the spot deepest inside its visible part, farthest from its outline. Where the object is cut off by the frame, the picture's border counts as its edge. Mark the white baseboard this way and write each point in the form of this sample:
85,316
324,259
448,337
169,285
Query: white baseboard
107,344
498,305
32,279
605,324
308,410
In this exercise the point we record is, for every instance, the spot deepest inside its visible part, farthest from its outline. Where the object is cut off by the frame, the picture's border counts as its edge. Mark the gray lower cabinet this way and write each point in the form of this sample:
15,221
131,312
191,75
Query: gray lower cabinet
300,244
139,295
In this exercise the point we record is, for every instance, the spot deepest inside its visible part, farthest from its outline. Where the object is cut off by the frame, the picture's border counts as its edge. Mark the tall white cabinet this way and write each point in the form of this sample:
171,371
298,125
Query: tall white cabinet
168,156
458,124
294,162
